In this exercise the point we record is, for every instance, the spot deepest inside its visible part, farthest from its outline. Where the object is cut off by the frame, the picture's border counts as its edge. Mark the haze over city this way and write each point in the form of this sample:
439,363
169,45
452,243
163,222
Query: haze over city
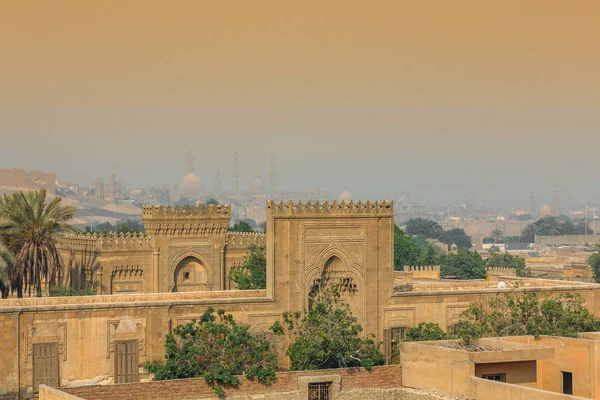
446,100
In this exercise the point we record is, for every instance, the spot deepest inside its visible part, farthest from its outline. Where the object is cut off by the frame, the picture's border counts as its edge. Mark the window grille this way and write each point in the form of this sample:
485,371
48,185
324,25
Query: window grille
319,391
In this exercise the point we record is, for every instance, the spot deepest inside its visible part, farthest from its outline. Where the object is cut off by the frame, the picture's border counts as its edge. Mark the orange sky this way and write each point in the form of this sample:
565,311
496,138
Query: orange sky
353,87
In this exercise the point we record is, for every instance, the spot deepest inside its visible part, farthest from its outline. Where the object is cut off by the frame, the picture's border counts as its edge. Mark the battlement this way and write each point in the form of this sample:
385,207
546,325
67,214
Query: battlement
424,268
186,221
106,241
209,210
501,271
383,207
244,239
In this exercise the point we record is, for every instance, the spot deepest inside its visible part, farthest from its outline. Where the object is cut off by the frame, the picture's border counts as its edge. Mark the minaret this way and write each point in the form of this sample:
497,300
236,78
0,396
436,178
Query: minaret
236,173
532,212
555,209
112,187
189,161
272,174
218,181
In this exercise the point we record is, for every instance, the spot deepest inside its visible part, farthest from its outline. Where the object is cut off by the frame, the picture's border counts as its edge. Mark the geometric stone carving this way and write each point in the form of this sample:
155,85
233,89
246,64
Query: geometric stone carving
46,332
126,329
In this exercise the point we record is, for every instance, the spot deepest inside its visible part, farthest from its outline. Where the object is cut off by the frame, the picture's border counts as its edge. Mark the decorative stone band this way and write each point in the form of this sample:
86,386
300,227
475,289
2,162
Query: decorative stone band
425,268
382,207
244,239
217,210
501,271
108,241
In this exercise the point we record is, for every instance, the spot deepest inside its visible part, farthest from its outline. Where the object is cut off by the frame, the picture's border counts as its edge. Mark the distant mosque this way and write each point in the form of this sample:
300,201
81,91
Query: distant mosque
191,186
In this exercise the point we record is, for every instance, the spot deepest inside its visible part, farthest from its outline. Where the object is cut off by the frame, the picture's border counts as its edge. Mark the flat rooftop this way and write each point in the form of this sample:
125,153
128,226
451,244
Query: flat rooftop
443,285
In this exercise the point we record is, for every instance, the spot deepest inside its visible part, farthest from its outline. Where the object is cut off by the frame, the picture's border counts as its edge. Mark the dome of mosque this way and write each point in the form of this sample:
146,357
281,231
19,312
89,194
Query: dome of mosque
192,185
545,210
346,197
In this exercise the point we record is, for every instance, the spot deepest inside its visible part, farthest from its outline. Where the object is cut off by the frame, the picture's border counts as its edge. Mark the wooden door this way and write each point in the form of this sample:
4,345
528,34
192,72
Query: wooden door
126,361
45,365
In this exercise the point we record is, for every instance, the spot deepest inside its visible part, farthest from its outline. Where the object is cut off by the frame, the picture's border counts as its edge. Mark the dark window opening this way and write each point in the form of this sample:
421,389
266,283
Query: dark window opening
567,378
319,391
495,377
452,329
186,276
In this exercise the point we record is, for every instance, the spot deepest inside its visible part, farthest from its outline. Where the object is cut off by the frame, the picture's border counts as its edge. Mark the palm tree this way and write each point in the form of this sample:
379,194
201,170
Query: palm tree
29,225
6,263
497,235
528,233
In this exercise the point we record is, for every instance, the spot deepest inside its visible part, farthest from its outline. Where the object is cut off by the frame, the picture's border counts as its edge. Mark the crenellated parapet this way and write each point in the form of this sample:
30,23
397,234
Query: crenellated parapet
383,207
424,268
244,239
186,221
107,241
209,210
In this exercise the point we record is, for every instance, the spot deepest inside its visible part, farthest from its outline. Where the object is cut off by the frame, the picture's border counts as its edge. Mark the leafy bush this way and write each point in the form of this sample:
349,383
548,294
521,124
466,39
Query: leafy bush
425,331
524,314
328,336
253,274
62,291
218,349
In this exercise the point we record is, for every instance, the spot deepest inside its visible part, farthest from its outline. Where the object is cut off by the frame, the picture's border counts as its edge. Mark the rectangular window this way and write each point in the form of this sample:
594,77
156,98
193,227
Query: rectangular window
319,391
495,377
567,378
392,339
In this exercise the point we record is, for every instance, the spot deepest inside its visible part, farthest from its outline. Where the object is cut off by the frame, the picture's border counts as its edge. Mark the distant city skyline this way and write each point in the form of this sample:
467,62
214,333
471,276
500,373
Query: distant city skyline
459,100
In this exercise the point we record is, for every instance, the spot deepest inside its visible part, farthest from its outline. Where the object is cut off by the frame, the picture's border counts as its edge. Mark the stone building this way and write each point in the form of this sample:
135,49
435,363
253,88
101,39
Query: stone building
17,178
170,275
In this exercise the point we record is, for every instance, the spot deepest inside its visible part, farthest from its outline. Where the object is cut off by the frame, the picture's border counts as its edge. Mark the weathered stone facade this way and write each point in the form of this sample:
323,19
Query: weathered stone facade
190,252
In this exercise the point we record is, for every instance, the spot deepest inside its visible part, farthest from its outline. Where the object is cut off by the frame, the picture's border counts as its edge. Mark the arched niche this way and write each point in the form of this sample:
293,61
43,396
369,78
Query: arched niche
189,273
337,269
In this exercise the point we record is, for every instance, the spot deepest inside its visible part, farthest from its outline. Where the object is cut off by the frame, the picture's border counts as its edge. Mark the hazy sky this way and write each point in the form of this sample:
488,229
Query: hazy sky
442,99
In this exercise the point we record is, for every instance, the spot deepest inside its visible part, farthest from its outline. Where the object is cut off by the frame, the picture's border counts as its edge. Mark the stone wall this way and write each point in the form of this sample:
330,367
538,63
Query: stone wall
492,390
350,383
567,240
48,393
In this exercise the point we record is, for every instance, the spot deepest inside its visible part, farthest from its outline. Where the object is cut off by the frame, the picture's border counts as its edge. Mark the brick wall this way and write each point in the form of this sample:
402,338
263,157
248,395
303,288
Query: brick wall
352,379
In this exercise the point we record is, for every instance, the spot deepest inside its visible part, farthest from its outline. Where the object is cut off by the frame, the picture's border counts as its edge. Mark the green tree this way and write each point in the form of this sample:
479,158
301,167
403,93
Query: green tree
218,349
7,260
457,236
548,226
211,201
594,261
506,260
424,227
263,226
525,314
241,226
253,273
406,253
528,233
463,265
29,225
328,336
425,331
413,251
497,235
494,249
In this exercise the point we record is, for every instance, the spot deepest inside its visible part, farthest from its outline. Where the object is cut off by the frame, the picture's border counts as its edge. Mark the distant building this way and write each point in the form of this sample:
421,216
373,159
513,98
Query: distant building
17,178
